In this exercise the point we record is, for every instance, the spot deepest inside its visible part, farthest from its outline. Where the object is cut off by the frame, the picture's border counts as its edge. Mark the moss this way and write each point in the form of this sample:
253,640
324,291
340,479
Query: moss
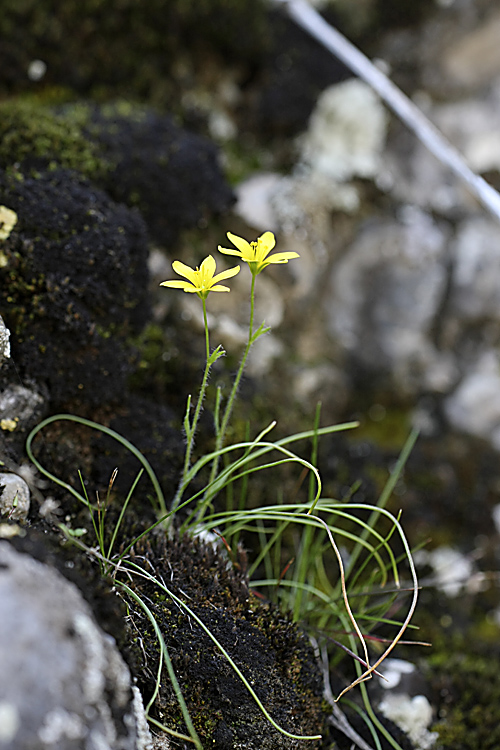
35,136
271,651
169,366
295,71
125,47
467,680
244,159
392,13
171,175
76,268
140,157
388,429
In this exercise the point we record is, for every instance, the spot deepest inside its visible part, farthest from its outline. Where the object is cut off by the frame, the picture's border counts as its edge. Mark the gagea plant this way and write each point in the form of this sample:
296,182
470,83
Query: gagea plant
304,572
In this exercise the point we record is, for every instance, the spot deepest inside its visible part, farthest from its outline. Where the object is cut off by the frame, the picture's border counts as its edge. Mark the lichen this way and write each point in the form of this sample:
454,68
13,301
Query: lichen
8,220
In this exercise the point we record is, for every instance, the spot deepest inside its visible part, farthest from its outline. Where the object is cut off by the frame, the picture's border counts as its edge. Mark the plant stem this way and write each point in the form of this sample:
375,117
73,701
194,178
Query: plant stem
229,406
205,323
191,427
221,432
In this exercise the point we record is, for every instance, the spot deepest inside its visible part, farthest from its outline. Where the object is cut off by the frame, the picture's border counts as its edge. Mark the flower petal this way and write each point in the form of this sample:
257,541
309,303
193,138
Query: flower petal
282,257
226,274
219,288
207,268
243,246
228,251
177,284
265,243
185,271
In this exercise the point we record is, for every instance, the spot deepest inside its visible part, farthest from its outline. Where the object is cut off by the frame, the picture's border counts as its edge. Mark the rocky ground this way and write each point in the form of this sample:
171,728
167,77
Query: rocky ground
145,140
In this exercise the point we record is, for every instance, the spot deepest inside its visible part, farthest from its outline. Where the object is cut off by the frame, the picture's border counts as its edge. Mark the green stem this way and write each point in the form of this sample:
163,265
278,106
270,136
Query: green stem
229,406
191,427
221,432
205,322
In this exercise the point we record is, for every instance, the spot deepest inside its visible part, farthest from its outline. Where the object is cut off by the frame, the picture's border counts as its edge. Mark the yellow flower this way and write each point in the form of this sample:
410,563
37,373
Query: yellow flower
255,253
8,220
200,280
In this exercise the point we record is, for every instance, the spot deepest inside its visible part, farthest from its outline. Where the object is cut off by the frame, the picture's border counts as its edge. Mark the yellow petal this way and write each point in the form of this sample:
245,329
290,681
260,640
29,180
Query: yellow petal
243,246
226,274
282,257
219,288
176,284
229,251
207,268
267,241
185,271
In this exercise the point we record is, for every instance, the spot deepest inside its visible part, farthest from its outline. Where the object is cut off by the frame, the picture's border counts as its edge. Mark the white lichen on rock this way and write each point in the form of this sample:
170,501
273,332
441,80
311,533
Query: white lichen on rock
346,132
412,715
4,341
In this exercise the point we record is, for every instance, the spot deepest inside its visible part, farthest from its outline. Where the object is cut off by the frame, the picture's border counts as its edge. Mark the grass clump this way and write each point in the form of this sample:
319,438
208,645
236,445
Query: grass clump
221,640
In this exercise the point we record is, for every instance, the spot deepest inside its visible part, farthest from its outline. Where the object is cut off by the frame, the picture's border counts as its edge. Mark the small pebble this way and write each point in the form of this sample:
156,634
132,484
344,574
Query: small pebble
14,497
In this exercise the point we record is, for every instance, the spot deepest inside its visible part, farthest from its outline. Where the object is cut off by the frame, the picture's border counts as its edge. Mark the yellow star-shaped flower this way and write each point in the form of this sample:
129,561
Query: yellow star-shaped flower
256,253
200,281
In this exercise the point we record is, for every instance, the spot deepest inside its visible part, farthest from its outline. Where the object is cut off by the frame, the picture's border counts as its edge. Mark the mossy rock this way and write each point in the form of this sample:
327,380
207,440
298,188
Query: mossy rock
137,155
35,137
465,676
173,176
128,48
272,652
73,285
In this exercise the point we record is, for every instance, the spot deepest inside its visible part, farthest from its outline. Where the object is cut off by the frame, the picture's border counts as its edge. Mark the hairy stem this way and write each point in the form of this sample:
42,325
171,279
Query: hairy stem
221,431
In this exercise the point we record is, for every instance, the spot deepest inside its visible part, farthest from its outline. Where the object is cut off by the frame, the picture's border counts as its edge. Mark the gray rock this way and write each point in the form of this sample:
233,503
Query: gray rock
475,289
384,296
413,175
19,406
14,497
64,684
471,328
346,132
474,406
472,59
